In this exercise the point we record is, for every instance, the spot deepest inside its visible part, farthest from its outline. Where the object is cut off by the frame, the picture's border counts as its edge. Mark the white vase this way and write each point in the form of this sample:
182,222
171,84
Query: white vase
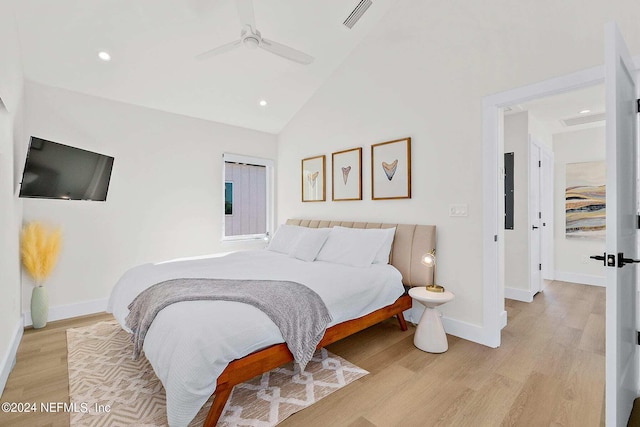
39,307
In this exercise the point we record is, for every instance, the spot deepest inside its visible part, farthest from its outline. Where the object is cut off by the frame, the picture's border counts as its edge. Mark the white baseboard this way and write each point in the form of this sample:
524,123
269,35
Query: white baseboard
458,328
465,330
503,319
583,279
9,358
518,294
71,310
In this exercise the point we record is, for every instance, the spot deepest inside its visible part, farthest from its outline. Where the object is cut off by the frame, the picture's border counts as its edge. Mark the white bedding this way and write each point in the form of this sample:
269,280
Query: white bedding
190,343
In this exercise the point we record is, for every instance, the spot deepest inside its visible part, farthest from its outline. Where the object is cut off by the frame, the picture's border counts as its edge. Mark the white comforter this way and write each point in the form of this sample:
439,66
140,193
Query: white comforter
190,343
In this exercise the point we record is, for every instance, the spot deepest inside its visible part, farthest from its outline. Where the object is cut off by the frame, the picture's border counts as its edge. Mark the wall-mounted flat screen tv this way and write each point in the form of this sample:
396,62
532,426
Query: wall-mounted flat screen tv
57,171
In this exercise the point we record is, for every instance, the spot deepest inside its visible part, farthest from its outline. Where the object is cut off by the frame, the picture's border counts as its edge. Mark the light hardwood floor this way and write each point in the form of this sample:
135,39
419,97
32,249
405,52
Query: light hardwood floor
549,370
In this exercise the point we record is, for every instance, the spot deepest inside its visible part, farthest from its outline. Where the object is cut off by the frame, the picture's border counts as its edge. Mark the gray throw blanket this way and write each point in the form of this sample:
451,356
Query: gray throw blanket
297,311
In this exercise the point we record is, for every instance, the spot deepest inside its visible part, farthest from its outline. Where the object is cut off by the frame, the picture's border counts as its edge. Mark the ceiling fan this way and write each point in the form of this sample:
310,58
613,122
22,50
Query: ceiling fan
251,38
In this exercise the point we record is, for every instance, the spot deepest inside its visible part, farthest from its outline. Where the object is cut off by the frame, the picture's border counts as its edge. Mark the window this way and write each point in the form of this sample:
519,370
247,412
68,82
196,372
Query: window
228,198
248,197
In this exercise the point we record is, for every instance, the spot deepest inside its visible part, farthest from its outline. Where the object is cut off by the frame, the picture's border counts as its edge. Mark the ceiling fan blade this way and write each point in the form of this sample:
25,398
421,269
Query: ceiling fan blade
245,13
286,52
219,50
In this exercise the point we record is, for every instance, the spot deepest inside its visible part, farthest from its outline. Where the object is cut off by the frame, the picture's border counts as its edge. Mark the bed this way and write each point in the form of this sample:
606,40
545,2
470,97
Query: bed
200,348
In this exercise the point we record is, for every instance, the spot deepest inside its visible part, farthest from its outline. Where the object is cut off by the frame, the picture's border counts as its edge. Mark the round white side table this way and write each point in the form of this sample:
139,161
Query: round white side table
430,336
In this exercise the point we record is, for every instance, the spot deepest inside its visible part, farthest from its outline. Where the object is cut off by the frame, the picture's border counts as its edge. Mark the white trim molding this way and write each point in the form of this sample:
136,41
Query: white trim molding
503,319
71,310
465,330
584,279
492,106
523,295
491,176
9,358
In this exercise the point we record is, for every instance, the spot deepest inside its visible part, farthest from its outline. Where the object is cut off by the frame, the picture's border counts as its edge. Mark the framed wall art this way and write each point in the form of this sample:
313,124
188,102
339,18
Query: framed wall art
585,200
346,182
313,179
391,170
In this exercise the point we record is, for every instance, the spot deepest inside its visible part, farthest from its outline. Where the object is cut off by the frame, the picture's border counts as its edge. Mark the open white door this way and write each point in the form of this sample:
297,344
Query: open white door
535,218
546,183
621,338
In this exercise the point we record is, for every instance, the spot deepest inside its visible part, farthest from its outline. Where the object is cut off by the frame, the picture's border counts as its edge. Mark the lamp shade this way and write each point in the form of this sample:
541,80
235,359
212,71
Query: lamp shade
429,259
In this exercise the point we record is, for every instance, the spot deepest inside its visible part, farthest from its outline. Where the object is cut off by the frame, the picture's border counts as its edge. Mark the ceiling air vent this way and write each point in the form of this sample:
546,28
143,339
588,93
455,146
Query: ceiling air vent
583,120
357,13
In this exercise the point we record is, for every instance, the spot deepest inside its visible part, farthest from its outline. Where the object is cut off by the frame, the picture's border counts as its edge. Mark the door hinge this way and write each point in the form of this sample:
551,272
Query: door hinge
638,226
539,163
540,267
495,237
638,104
638,334
539,215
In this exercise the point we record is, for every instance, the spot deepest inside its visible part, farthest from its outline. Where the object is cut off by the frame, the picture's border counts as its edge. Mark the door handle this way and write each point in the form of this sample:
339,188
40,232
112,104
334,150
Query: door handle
622,260
533,227
610,261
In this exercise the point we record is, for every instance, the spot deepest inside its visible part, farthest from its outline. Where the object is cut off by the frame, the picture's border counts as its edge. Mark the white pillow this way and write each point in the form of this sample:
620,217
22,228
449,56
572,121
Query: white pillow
309,243
285,237
382,257
352,246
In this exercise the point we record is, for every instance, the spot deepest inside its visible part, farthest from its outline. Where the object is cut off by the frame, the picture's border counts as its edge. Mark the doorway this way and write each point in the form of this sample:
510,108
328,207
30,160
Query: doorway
553,232
621,223
494,313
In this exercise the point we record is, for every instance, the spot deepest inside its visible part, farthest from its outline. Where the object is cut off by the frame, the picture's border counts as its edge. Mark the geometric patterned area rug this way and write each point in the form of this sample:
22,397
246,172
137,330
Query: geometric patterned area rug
101,373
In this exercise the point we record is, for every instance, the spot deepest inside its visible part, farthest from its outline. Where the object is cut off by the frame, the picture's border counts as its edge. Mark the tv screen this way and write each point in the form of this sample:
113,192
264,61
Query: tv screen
57,171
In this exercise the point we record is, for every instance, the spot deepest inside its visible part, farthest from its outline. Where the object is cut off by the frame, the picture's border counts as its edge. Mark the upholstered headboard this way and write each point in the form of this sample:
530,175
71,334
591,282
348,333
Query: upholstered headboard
410,244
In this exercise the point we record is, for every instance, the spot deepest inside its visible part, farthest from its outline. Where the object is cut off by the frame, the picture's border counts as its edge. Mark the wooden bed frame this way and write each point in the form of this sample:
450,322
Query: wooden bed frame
410,243
264,360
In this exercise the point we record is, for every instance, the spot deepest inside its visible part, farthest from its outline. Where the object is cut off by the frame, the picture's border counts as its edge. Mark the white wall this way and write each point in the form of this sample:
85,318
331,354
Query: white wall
541,131
165,196
11,136
419,75
572,261
516,241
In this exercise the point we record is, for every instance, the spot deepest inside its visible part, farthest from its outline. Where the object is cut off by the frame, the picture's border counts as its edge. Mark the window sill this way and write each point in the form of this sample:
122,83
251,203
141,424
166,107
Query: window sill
247,238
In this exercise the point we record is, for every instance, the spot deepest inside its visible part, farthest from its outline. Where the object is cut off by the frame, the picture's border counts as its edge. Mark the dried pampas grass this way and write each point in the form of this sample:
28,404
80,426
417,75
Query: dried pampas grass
39,249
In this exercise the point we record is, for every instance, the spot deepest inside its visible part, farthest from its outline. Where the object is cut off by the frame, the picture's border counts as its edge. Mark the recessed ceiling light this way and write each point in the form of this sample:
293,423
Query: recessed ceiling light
104,56
262,103
585,111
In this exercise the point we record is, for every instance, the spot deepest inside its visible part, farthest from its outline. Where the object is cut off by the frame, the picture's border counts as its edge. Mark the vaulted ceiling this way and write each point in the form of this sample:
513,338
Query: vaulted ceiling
153,44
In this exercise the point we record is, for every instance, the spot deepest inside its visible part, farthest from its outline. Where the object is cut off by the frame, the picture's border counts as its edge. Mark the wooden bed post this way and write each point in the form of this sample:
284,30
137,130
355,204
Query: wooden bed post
401,321
219,400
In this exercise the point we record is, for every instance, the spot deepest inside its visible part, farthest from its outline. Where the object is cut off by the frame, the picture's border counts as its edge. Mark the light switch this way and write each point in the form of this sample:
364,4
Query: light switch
458,209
